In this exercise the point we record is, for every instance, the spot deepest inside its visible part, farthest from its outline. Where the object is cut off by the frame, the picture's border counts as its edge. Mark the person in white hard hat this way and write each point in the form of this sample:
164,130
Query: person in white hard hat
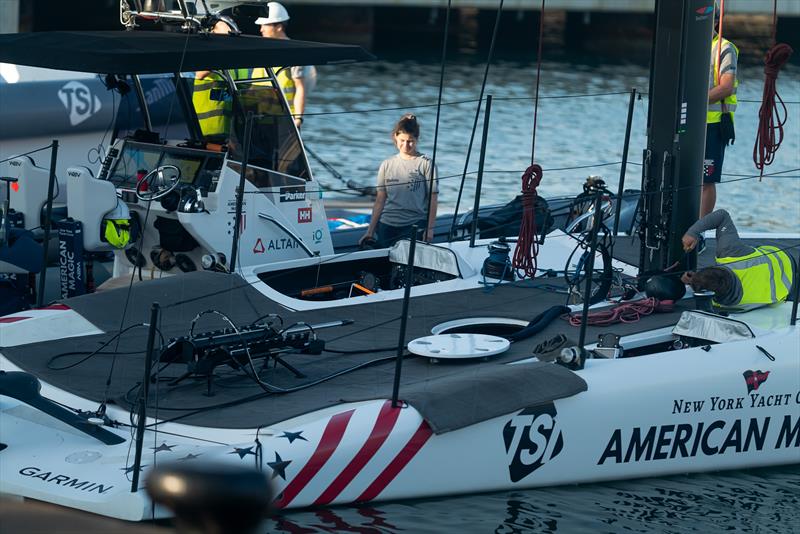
296,82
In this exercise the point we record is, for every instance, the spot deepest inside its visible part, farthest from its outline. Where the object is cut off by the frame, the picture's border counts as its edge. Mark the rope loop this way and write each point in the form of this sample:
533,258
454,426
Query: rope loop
527,243
773,114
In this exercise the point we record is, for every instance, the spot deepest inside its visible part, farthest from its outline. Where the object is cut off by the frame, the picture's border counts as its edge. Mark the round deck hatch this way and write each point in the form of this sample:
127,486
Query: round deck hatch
458,346
490,326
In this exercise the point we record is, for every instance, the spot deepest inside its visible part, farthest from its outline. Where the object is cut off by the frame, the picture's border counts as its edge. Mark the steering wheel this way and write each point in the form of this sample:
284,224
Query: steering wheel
161,181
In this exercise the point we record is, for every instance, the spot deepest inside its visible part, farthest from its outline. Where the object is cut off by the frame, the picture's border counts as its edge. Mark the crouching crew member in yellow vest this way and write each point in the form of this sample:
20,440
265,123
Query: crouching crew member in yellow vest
744,276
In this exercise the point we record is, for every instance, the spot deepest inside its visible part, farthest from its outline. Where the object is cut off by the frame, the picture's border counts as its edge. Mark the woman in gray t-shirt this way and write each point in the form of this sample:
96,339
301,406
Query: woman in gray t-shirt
402,193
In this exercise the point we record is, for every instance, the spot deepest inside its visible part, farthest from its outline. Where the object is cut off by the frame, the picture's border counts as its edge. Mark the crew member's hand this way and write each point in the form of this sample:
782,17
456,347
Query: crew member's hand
298,121
364,238
687,277
689,242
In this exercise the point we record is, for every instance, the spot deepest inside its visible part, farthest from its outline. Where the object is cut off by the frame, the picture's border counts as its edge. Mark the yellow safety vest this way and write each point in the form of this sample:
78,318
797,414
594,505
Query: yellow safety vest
284,76
766,275
714,113
214,115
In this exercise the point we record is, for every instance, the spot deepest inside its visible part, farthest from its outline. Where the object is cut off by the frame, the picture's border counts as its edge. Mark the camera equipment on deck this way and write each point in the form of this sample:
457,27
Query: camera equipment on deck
240,347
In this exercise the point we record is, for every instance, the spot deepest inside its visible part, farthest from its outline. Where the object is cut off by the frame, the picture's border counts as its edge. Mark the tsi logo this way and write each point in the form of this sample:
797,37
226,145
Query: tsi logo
79,102
532,438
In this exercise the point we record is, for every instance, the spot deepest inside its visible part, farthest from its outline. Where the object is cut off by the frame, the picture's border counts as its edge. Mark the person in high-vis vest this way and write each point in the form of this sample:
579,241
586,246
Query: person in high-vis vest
295,82
744,276
719,118
212,106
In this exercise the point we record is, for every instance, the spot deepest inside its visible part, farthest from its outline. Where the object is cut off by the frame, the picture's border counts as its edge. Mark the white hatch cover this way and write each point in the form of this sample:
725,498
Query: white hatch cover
459,346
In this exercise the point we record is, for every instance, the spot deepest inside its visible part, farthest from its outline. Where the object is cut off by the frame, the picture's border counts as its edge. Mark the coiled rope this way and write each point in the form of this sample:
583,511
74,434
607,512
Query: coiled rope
769,134
772,115
527,244
628,312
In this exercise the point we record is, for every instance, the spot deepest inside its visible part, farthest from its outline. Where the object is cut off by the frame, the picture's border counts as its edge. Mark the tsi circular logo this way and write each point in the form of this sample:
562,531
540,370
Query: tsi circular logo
79,102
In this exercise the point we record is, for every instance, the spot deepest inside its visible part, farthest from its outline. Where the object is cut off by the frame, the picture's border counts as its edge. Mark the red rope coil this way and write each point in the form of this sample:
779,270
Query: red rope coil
772,115
527,244
628,312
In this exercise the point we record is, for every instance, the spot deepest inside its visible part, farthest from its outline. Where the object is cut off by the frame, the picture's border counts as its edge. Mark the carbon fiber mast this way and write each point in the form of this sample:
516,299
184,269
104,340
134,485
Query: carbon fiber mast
676,127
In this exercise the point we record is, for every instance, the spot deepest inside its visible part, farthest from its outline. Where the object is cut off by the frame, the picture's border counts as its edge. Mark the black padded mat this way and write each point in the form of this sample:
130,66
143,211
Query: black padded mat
439,391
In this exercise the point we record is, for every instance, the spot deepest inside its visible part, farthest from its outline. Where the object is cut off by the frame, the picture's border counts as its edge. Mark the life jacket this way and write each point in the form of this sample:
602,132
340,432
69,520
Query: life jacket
715,109
214,114
765,275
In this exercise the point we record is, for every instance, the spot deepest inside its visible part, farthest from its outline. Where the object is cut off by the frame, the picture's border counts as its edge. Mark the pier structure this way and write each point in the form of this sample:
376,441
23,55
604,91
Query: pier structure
596,27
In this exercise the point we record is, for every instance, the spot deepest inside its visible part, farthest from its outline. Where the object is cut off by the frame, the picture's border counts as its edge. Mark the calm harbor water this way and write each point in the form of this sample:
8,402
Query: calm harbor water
572,132
583,131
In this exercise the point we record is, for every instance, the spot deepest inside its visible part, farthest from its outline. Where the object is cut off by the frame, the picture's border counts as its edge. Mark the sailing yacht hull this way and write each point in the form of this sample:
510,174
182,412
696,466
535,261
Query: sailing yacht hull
676,412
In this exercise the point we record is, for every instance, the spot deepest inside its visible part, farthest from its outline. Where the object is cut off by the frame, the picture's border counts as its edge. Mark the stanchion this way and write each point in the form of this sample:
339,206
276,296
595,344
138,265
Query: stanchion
237,223
401,343
587,294
626,143
141,411
47,223
476,206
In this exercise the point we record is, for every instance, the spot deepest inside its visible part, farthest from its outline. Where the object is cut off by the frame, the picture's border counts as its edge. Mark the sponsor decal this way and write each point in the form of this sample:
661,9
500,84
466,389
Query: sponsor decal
317,236
258,248
162,88
70,259
304,215
64,480
753,379
282,243
292,194
532,438
708,167
689,440
79,102
703,13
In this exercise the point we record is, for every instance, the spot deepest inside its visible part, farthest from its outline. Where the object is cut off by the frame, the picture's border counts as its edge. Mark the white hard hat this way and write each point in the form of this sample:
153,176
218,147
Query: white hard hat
275,13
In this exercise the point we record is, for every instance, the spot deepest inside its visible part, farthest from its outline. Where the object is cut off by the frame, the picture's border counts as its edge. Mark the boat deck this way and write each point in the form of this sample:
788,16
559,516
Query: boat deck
450,395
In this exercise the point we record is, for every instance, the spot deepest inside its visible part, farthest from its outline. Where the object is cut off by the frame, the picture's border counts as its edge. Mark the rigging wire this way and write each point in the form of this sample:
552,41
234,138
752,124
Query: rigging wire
438,115
538,78
477,113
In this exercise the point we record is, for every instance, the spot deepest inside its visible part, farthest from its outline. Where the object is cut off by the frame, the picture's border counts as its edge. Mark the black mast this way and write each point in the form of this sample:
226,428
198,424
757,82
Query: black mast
676,128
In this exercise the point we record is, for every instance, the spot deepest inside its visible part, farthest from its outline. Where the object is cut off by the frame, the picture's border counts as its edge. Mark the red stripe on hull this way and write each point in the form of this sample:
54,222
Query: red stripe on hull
400,461
383,427
12,319
331,437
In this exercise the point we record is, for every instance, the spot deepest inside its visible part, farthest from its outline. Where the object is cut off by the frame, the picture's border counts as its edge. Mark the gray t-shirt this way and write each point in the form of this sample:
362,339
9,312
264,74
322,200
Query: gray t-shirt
405,182
728,61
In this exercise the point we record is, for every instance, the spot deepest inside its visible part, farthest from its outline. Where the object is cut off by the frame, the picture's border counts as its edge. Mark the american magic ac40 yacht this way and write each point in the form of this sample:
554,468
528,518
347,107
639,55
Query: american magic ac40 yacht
414,371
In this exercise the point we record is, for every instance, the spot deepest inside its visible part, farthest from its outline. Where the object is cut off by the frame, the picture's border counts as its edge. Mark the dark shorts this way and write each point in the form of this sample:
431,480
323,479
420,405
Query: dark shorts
388,235
715,154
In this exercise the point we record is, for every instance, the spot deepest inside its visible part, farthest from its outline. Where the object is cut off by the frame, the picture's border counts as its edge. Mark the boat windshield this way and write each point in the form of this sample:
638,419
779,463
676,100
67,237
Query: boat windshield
274,143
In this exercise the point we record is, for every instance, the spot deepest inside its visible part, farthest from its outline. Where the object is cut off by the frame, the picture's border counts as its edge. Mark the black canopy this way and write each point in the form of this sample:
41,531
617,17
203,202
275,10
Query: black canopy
142,52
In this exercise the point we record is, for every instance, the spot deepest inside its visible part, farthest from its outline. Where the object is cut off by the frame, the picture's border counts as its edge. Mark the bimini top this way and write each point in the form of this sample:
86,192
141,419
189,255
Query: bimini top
148,52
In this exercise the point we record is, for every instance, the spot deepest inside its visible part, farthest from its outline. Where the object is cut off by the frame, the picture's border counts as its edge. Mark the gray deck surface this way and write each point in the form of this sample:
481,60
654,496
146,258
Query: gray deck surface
437,390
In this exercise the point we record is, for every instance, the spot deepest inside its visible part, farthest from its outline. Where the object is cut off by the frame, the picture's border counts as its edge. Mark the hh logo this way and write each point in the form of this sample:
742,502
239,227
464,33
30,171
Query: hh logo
532,438
79,102
753,379
303,215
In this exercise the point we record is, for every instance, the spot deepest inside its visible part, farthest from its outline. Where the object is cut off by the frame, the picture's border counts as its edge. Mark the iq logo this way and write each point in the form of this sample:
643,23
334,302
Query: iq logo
79,102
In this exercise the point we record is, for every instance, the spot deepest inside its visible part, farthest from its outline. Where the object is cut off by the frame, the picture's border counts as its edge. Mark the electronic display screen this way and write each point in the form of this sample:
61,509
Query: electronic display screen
188,165
137,160
133,161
